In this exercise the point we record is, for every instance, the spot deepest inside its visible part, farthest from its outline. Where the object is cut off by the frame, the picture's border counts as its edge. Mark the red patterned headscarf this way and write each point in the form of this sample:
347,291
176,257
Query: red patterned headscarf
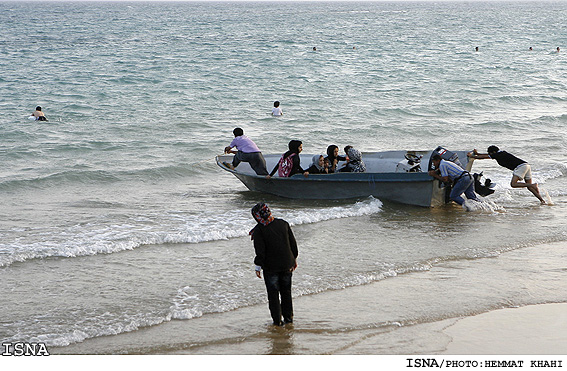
261,212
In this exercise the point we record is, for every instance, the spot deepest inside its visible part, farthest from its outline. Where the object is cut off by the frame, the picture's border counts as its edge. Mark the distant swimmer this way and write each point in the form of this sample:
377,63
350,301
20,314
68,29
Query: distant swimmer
314,49
557,49
476,49
277,111
521,169
531,48
38,114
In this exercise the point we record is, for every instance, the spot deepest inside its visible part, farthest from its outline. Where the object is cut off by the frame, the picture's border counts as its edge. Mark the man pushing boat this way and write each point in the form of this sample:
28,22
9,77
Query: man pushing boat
462,180
521,170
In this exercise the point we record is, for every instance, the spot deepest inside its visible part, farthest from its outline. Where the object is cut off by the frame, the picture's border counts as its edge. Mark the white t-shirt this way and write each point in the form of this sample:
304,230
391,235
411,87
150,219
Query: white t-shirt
277,111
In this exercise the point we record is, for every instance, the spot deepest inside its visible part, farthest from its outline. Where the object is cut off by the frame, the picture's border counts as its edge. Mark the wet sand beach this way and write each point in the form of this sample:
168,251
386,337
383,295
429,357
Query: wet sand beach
353,321
535,329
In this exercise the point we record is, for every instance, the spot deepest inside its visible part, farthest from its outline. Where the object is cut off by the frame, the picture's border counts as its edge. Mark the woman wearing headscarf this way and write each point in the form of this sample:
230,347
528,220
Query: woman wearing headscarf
355,163
318,165
276,254
333,157
290,163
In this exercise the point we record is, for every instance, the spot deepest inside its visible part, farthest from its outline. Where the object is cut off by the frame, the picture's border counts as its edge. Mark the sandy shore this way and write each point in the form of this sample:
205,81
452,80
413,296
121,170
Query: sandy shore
353,321
535,329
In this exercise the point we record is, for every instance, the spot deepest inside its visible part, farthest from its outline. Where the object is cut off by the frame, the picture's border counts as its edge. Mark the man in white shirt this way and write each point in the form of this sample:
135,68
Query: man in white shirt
277,111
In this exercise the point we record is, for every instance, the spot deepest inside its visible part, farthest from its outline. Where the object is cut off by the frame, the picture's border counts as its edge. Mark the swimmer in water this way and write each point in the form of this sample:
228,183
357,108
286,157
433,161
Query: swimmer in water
38,114
277,111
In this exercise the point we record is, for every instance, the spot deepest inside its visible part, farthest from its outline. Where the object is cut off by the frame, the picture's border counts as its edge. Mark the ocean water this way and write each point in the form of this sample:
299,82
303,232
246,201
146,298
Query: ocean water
116,222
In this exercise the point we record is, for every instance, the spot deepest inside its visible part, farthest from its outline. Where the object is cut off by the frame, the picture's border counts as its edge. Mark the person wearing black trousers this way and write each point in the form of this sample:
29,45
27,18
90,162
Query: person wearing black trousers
276,254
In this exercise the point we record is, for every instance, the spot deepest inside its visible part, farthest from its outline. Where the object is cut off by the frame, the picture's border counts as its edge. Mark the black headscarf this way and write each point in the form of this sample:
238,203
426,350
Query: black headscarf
331,153
293,147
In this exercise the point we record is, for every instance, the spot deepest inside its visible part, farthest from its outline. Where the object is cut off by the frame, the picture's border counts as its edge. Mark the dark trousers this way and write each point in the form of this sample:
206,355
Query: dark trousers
279,284
255,159
464,185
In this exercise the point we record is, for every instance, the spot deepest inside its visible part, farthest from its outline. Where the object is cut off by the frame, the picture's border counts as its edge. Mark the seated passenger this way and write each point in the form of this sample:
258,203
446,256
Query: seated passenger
346,151
333,157
319,165
355,163
327,165
290,163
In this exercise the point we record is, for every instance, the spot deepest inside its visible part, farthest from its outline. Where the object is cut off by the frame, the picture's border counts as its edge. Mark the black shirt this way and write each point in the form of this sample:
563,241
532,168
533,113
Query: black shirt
507,160
296,166
275,246
314,170
332,159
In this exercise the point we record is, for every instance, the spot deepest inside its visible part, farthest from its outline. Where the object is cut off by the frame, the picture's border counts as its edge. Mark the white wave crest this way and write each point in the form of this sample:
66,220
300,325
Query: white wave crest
171,228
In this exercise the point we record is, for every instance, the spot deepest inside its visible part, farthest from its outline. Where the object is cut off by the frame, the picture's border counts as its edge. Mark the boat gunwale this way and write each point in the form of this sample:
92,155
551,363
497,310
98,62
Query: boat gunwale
386,177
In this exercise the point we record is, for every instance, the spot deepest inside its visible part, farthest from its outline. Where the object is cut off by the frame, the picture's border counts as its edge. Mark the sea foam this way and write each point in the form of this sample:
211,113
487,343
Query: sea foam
161,228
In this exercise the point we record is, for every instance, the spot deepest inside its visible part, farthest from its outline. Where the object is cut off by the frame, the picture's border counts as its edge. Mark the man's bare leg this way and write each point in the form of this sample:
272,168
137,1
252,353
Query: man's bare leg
532,187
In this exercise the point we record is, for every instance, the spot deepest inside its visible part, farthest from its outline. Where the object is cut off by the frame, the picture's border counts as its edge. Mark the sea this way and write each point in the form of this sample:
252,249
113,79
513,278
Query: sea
119,234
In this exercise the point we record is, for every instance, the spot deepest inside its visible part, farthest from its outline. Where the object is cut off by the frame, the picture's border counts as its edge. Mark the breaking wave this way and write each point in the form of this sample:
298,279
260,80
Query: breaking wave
170,228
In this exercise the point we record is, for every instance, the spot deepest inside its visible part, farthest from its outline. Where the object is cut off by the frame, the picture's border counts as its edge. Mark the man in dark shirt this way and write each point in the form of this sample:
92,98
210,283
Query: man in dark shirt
521,170
276,253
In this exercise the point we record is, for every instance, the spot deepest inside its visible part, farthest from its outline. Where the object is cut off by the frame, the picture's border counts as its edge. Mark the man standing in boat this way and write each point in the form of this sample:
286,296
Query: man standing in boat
463,182
248,151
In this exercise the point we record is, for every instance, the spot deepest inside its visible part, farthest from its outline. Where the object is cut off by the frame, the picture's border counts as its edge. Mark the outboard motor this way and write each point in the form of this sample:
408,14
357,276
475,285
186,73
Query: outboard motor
445,155
480,188
411,164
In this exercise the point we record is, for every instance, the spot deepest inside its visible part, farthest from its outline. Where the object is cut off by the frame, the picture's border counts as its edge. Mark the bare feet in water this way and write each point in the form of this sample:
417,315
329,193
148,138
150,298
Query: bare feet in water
533,188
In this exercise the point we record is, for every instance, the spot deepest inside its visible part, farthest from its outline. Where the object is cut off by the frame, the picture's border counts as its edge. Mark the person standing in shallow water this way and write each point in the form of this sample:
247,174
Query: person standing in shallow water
461,180
277,111
276,254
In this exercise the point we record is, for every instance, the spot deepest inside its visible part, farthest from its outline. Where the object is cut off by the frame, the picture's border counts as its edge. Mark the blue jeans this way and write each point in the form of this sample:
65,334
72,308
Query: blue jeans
464,185
279,284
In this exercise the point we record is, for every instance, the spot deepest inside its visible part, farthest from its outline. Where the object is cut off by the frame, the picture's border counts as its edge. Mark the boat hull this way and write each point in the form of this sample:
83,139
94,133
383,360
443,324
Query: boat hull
412,188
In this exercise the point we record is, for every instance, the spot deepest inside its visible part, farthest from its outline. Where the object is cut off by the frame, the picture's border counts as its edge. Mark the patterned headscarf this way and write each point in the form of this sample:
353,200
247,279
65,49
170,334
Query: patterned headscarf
262,214
355,161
